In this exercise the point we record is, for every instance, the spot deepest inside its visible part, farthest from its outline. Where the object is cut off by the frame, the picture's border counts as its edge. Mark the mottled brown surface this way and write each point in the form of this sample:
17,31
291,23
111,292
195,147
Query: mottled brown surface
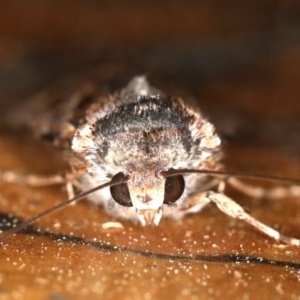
254,101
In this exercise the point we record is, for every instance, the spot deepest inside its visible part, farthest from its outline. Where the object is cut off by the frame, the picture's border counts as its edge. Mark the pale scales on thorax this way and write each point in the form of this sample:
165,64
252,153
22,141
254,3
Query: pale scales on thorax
141,132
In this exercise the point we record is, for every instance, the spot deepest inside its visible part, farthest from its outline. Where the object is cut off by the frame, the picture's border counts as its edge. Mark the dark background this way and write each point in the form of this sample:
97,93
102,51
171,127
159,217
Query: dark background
240,60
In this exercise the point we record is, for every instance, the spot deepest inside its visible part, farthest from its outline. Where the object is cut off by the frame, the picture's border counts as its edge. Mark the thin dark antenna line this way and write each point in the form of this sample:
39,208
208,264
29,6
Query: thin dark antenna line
23,225
232,174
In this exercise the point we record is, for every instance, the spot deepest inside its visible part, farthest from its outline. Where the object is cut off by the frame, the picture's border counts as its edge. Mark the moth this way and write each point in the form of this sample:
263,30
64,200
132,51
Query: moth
143,155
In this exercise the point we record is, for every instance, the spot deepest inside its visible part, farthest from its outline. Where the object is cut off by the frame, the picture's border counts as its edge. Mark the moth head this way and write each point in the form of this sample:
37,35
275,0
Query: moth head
147,192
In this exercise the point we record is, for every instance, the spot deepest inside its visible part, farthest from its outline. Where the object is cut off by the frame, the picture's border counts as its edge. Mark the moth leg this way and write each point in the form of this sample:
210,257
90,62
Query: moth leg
195,204
70,191
198,200
42,181
31,180
232,209
259,192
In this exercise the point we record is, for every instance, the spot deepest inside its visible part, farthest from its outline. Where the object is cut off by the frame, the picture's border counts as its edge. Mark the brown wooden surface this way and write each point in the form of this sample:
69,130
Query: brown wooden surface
253,100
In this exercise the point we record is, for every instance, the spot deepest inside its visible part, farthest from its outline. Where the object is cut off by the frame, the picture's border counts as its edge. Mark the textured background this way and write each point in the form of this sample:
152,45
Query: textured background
240,61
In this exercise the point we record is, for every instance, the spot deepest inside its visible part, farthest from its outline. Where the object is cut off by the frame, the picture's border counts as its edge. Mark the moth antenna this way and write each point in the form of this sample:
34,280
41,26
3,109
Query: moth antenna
168,173
23,225
174,172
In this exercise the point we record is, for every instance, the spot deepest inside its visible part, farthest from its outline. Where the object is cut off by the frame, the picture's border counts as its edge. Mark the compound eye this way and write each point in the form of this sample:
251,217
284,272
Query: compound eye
120,192
174,187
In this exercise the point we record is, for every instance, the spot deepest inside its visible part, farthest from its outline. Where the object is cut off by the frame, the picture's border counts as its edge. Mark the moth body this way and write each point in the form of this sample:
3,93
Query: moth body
140,132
